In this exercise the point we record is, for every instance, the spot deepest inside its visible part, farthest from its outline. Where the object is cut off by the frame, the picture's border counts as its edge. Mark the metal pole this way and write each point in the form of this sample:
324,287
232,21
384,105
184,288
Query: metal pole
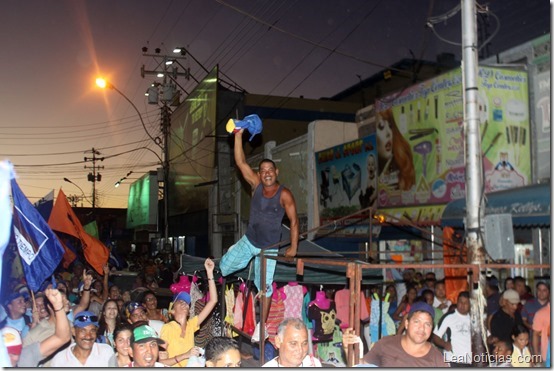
93,178
262,306
166,123
474,176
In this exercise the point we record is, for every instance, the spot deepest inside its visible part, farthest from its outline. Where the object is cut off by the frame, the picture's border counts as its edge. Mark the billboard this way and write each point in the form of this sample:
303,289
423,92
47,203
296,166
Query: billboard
142,209
420,138
192,148
346,178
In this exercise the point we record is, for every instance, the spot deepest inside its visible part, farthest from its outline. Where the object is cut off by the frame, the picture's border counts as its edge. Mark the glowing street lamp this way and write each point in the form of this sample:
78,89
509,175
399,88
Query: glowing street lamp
103,83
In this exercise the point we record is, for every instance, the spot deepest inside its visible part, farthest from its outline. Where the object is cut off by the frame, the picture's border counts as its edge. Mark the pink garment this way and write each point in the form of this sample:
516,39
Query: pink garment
294,300
239,307
342,300
275,316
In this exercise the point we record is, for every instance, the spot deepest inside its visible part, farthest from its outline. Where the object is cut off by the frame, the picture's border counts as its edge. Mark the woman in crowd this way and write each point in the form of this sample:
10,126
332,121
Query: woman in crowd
151,304
114,292
404,307
109,319
179,332
99,292
393,298
122,341
521,355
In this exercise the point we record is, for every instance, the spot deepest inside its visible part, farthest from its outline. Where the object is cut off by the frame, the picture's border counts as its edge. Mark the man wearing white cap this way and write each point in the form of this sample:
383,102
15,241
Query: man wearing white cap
505,319
12,341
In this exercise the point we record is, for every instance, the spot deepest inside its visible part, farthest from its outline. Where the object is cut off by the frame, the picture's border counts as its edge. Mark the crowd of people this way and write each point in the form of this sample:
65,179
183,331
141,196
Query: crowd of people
433,332
85,321
82,319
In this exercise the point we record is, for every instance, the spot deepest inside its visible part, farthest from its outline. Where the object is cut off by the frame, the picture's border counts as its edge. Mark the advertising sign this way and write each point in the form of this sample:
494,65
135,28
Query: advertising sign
542,124
420,138
346,178
192,148
142,209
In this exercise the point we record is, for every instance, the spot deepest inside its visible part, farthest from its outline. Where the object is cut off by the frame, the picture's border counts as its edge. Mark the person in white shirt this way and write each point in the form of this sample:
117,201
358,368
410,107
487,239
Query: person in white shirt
292,342
457,346
85,352
441,301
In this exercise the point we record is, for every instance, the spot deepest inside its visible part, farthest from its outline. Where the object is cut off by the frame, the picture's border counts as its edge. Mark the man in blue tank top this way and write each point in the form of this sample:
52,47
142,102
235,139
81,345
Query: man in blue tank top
270,202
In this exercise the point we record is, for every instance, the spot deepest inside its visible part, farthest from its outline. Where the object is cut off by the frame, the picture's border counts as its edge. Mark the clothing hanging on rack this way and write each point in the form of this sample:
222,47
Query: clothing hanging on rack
294,300
238,310
218,324
195,295
229,306
342,300
331,352
250,318
323,312
204,334
380,323
276,314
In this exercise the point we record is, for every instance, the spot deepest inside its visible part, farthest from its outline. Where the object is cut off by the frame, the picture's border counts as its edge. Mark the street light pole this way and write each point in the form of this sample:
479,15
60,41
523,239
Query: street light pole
80,189
106,84
163,145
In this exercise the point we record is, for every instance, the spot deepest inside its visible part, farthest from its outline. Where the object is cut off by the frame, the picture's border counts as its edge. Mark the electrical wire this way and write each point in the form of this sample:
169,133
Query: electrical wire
333,51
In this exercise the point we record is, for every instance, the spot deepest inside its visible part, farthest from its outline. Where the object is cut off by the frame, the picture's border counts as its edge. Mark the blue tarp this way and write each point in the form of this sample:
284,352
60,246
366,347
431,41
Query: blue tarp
529,206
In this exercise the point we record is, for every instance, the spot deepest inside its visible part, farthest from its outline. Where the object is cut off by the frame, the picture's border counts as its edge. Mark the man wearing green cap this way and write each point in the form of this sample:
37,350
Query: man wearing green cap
145,346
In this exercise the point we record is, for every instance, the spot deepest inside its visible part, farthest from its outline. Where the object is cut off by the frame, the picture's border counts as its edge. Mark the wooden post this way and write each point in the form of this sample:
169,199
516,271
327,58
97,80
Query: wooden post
262,306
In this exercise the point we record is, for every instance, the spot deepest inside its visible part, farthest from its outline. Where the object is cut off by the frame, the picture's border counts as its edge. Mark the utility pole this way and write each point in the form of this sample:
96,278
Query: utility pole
166,125
169,96
94,176
474,175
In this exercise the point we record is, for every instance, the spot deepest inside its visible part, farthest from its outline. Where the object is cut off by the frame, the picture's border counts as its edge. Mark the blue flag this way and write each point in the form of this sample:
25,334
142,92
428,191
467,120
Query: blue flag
39,248
6,174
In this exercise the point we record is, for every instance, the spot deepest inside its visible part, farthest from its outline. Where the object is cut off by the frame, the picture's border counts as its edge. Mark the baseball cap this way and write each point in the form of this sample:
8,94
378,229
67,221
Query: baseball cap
511,295
12,340
492,281
15,295
420,306
132,306
84,319
183,295
145,333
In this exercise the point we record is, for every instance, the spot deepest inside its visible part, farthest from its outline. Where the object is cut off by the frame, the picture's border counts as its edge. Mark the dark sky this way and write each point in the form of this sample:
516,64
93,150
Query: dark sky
52,50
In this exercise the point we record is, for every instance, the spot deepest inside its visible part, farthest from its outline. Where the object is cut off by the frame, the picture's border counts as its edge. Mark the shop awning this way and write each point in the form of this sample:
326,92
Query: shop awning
529,206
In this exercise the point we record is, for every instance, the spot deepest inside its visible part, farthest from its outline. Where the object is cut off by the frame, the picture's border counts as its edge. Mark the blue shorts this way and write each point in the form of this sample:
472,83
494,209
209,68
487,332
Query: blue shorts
239,255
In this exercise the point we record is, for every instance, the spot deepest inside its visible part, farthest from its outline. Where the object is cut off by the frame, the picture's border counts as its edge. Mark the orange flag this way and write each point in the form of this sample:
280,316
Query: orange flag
455,279
63,219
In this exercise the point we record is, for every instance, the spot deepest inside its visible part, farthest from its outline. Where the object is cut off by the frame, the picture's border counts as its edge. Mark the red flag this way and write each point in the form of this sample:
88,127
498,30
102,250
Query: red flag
63,219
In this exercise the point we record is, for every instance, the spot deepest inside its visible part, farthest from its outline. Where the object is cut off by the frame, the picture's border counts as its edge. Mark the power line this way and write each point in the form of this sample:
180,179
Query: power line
333,51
